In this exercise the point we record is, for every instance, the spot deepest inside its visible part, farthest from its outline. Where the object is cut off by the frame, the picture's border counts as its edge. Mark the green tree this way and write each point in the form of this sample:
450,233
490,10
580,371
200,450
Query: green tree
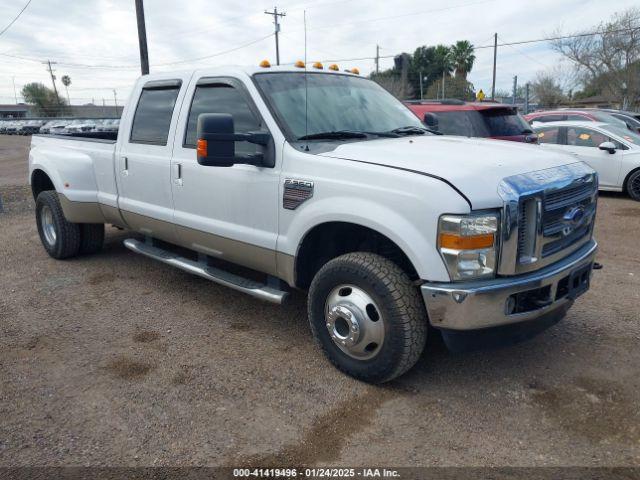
43,99
431,63
462,58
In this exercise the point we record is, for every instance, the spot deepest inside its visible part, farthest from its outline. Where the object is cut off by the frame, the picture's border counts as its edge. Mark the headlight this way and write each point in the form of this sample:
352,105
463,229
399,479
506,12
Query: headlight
468,245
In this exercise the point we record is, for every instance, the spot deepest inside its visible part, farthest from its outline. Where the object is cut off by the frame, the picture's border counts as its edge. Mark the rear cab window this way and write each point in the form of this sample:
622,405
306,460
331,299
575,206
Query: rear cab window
152,118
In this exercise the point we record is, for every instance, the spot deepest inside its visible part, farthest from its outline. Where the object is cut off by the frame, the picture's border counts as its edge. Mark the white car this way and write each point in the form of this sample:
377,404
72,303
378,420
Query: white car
612,151
388,227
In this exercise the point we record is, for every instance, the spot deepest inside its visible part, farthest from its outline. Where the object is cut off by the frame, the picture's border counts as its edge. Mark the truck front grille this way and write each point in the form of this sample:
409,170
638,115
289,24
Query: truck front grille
551,221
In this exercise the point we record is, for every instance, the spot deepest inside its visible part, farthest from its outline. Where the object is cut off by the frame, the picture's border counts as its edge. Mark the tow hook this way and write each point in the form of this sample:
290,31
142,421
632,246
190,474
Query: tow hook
597,266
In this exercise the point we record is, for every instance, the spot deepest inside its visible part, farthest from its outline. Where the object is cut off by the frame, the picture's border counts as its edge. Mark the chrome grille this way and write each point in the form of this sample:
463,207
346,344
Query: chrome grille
548,215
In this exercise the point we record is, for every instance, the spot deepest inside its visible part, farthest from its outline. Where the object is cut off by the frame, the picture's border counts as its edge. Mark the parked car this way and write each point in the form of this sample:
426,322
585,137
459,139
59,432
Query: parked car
79,126
611,150
586,115
13,127
632,119
108,125
388,227
31,127
473,119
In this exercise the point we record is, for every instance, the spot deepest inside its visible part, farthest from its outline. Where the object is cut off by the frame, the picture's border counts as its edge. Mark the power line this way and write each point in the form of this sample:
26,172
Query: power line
16,18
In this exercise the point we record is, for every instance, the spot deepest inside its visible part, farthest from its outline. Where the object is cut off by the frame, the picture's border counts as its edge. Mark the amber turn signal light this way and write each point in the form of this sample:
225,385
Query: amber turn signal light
202,148
474,242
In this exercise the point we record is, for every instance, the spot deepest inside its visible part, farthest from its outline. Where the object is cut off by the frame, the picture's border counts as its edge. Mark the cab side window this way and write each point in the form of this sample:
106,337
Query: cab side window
585,137
152,119
222,98
549,135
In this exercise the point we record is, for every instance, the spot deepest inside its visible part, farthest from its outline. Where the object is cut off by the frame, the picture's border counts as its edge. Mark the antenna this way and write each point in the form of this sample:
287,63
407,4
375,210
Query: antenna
306,88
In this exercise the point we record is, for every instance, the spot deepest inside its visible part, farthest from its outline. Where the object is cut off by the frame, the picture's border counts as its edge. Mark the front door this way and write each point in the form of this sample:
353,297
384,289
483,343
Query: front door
584,142
226,212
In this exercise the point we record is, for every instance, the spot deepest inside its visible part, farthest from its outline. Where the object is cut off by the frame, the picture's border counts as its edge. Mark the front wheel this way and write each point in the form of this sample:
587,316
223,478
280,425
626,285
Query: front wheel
633,185
367,316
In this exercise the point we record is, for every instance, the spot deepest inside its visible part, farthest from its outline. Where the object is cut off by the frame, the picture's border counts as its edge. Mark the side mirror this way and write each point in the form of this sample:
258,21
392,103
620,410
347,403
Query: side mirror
431,120
216,142
608,146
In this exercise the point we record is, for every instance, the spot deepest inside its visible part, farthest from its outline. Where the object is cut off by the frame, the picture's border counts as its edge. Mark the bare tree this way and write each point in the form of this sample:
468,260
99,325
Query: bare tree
610,59
547,90
394,85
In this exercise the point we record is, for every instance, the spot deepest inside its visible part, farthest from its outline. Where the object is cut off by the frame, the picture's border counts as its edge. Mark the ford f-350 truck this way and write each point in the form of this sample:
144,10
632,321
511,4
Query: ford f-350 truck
322,181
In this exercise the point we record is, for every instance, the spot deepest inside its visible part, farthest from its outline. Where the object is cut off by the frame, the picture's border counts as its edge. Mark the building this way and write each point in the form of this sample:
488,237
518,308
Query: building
14,111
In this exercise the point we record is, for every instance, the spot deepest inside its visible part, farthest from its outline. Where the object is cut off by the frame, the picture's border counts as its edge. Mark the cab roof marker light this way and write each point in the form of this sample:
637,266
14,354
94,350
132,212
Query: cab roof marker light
265,64
299,64
334,67
318,65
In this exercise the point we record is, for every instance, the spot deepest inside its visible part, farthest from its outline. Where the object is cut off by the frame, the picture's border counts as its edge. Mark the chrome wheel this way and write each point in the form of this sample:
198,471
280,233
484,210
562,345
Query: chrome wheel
354,322
48,227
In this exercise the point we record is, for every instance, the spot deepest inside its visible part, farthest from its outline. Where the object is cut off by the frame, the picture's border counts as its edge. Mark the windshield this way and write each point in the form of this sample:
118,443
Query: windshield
335,103
623,133
493,122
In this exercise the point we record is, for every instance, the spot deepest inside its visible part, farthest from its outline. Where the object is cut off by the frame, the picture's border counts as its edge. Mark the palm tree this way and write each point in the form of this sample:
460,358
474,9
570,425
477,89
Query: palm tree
66,81
462,58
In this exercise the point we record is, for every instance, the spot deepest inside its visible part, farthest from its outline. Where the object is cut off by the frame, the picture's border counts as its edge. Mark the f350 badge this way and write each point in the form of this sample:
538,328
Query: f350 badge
296,192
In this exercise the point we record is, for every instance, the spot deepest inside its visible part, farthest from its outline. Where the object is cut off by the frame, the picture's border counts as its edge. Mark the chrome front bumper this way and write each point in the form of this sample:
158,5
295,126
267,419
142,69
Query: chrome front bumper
483,304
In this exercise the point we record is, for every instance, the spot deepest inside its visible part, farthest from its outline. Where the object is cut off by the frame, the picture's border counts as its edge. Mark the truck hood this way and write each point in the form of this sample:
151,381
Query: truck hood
473,166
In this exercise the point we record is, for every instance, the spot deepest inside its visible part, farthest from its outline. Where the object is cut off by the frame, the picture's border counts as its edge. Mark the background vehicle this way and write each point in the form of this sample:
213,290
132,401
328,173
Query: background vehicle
31,127
632,119
108,125
474,119
613,151
388,227
574,115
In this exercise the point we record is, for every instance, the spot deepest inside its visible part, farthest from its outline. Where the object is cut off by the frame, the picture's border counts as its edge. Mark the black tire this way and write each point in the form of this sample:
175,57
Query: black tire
91,237
401,309
633,185
67,235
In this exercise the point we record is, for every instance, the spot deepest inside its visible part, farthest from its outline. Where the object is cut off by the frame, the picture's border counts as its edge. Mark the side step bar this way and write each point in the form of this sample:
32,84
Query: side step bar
201,269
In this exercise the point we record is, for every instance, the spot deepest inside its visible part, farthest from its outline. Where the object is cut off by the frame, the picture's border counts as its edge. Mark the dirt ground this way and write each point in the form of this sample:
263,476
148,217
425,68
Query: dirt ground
114,359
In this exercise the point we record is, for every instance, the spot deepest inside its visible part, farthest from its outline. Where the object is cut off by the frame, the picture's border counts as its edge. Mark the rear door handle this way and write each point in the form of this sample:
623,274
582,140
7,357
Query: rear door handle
125,165
177,174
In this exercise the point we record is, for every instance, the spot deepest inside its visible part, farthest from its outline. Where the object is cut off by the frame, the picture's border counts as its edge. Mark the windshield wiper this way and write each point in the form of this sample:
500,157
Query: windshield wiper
413,130
335,135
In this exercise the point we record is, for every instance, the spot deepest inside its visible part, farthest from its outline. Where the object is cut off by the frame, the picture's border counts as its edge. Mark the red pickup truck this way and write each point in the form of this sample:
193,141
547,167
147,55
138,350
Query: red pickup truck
474,119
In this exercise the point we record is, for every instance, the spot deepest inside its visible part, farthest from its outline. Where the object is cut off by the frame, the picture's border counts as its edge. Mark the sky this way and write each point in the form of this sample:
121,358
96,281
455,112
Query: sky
95,41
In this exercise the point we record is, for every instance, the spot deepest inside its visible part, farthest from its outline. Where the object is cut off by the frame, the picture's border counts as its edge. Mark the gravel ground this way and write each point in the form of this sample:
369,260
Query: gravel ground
114,359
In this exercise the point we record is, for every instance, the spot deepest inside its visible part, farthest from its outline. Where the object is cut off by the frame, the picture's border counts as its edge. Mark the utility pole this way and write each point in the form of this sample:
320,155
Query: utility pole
142,38
377,58
13,79
421,94
276,23
115,99
515,89
526,99
495,58
104,108
443,74
53,78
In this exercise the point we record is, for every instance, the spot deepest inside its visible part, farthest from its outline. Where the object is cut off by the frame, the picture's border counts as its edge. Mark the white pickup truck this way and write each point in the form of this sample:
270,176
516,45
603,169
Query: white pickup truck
320,180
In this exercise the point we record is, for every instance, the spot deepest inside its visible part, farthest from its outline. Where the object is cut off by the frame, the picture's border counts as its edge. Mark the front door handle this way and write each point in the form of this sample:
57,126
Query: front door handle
177,174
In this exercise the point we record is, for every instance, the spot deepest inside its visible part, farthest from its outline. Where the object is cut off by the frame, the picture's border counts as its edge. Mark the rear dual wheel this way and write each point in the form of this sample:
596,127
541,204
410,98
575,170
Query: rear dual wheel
367,316
61,238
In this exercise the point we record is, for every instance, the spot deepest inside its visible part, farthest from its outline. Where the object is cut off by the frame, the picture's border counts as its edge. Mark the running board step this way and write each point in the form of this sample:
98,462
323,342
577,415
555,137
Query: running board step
201,269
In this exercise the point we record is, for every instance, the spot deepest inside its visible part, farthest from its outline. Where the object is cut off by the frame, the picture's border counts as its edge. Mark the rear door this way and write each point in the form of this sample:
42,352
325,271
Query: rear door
143,162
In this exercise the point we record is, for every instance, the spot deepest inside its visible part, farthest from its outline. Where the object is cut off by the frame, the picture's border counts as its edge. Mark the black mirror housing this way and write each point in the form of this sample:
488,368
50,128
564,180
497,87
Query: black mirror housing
431,120
216,142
